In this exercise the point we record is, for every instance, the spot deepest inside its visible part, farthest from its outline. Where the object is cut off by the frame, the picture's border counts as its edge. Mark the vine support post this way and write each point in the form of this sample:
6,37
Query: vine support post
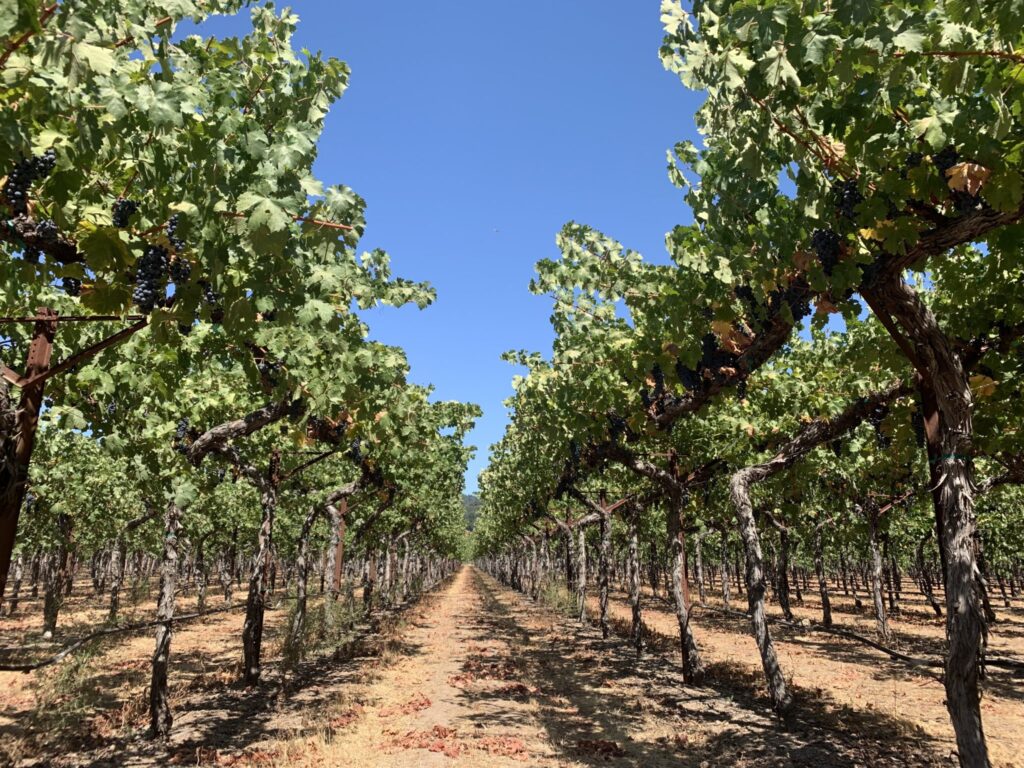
22,441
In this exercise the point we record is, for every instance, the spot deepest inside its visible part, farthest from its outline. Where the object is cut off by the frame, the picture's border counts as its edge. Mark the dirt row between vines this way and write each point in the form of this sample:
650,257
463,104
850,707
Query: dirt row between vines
478,675
846,677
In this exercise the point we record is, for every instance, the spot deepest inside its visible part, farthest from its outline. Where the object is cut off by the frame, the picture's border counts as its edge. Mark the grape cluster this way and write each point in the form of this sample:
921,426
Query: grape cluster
827,247
741,389
72,285
210,296
181,433
321,429
150,278
356,450
172,233
616,427
846,197
31,254
181,270
268,371
688,377
837,448
875,417
912,160
945,159
123,211
659,380
46,230
23,175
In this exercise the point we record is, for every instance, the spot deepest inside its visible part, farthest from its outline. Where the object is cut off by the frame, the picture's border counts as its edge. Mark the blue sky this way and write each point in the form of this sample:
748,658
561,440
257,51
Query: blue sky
475,131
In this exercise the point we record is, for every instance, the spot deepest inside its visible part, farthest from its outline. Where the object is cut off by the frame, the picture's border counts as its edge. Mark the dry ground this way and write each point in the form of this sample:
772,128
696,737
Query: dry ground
850,674
477,675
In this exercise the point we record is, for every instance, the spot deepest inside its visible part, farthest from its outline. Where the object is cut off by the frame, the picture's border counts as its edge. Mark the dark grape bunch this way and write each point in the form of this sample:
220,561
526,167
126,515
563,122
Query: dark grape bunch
356,450
911,161
875,418
150,278
837,448
172,233
181,270
269,371
659,380
945,159
23,175
210,296
741,389
181,435
616,427
321,429
827,247
846,197
46,230
72,286
689,378
123,211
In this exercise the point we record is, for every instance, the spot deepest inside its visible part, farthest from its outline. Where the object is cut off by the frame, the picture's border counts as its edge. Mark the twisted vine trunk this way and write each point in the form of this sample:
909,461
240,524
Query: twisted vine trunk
693,666
739,488
581,575
881,620
636,630
725,568
948,402
782,576
160,717
57,575
603,567
10,604
298,627
256,601
819,571
698,552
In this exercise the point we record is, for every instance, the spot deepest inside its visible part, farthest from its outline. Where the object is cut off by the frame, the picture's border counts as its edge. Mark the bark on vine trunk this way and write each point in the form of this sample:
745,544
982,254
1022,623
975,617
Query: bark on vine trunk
295,635
604,566
581,575
636,631
948,402
739,488
725,567
819,571
881,620
160,717
256,601
693,666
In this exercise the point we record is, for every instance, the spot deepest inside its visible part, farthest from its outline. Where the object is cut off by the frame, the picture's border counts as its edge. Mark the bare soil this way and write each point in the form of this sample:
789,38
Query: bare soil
475,674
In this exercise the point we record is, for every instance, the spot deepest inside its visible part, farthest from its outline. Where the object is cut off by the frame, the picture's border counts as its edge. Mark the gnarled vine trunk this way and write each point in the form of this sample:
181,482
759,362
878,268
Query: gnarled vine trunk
693,667
948,403
739,488
160,717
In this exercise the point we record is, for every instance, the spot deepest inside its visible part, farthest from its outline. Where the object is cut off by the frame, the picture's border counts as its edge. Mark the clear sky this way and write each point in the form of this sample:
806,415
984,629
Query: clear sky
475,131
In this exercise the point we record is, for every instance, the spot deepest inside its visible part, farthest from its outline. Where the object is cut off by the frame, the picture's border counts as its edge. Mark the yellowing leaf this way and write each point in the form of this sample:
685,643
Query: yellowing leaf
731,338
967,177
983,386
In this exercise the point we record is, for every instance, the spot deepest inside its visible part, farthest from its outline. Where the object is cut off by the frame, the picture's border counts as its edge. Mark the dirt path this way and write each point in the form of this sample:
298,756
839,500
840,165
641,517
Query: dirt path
478,675
484,677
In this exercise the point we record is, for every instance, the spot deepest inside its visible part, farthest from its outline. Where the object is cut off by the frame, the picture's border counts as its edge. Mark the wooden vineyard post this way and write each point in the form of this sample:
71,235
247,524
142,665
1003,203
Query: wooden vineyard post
22,442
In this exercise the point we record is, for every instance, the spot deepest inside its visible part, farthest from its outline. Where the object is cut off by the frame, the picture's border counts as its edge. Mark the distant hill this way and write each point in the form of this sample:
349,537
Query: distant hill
472,506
